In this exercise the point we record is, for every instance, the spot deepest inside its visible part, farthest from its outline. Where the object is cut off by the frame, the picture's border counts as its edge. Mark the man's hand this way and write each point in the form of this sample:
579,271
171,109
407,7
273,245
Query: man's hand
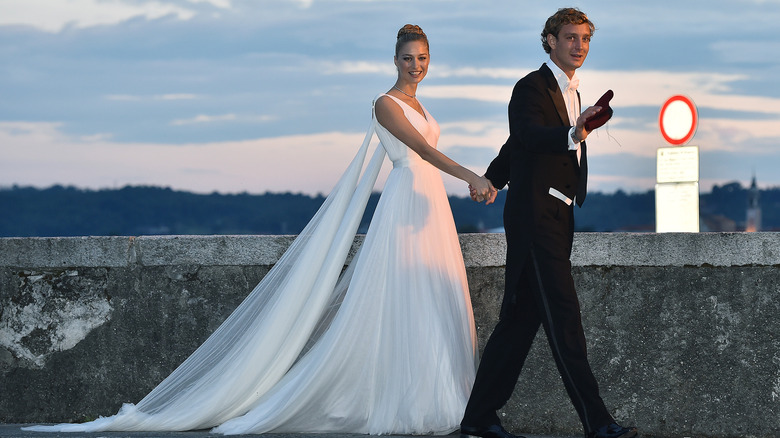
579,130
491,196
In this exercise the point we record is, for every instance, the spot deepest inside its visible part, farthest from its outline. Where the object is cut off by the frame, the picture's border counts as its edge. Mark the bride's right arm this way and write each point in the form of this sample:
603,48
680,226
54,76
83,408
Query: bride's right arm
390,115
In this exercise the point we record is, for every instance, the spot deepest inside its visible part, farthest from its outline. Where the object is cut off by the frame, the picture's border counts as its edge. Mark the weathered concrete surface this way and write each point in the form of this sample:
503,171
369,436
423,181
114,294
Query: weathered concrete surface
683,329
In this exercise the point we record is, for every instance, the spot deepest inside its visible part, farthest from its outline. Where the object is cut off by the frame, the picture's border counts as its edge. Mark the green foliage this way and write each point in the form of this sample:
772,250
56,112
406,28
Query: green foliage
132,211
68,211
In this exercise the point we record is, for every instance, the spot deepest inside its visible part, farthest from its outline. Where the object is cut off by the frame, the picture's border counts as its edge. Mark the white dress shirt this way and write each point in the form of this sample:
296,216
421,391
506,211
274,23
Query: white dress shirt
569,90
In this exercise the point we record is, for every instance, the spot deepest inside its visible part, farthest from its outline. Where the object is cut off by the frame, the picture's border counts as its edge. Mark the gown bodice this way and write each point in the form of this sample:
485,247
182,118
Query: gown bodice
397,151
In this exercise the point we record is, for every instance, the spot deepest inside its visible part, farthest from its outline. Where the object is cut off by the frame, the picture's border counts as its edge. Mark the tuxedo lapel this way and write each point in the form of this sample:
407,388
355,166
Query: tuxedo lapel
555,94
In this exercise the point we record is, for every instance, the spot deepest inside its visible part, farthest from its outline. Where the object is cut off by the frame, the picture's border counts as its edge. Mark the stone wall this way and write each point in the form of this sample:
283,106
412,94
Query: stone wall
683,329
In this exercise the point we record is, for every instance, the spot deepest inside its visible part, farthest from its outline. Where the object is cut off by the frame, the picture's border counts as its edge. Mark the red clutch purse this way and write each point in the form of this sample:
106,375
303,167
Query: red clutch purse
601,117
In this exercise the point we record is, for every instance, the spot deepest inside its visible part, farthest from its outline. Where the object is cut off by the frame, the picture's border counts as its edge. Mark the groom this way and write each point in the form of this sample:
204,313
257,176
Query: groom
545,163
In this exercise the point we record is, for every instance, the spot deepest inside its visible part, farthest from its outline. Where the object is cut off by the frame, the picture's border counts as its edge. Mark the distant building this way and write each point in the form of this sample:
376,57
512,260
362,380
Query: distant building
753,218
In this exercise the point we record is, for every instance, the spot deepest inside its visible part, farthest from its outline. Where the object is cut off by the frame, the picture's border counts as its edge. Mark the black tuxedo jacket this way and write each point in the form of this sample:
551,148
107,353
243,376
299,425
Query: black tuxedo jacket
534,159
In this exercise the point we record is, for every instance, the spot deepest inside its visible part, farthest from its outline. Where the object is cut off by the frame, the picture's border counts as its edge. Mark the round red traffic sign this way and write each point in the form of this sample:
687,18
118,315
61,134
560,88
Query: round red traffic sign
678,119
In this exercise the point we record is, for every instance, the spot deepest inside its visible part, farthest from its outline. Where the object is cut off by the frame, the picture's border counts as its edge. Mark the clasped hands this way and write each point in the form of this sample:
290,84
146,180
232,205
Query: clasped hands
483,190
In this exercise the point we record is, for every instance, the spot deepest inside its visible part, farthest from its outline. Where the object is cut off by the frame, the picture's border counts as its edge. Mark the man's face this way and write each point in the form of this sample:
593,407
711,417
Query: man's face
569,49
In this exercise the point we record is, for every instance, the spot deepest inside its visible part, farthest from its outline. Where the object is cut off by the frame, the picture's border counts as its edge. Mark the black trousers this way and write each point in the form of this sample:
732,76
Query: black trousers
545,296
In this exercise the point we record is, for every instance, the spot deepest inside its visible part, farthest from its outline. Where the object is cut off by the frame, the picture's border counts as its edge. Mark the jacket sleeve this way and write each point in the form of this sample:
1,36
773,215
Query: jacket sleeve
498,171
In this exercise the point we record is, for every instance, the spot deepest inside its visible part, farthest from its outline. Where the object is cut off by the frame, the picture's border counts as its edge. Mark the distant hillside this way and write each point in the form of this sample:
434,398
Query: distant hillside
131,211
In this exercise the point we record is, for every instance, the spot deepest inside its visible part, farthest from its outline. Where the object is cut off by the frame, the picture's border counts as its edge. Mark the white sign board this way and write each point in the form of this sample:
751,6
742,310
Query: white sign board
677,164
677,207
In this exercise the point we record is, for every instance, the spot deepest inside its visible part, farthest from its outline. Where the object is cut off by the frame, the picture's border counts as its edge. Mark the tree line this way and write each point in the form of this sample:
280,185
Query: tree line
147,210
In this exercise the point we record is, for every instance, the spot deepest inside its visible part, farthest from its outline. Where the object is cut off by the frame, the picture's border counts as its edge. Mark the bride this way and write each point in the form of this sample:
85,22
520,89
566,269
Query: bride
386,347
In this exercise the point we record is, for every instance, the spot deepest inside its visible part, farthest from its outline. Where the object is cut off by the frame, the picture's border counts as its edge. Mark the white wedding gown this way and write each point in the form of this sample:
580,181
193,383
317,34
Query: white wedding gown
387,347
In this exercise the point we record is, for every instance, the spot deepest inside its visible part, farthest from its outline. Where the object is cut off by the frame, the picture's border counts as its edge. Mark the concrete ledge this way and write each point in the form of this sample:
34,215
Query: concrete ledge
101,251
677,249
683,329
479,250
44,252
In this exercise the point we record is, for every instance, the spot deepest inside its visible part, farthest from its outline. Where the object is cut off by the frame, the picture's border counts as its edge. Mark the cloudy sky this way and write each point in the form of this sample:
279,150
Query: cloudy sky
275,95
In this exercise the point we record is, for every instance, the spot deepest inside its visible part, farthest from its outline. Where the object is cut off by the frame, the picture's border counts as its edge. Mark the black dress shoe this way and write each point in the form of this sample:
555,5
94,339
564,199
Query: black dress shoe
492,431
613,430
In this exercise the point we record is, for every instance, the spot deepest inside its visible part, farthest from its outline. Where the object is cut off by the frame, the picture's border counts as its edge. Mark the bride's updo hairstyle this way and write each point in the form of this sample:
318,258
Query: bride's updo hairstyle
410,32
